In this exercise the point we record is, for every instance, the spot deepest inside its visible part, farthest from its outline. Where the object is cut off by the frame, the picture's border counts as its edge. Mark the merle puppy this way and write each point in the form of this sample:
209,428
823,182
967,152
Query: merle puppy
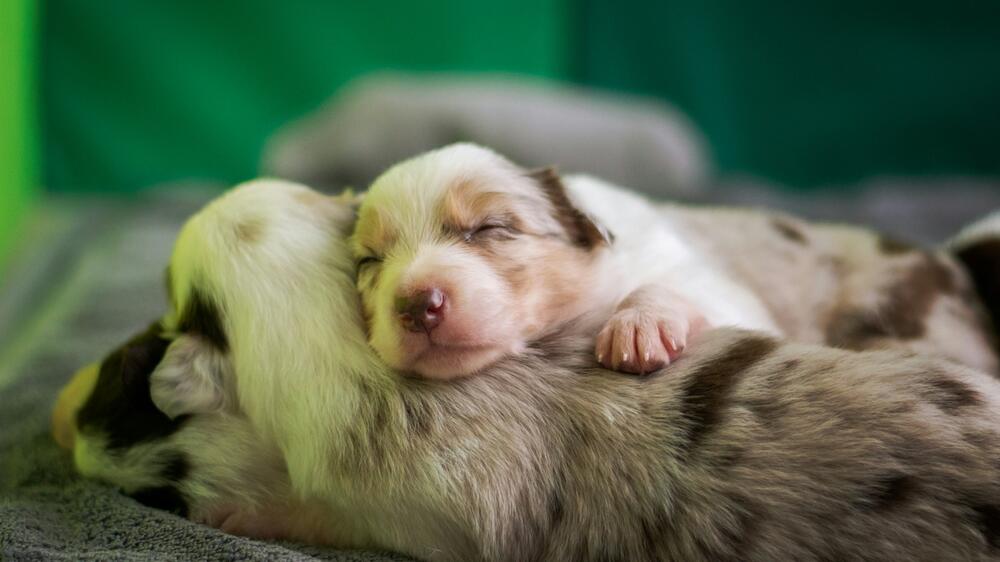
256,405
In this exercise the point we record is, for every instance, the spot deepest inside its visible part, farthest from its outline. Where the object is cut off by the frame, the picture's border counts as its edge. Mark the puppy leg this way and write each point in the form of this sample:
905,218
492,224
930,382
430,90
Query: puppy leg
648,330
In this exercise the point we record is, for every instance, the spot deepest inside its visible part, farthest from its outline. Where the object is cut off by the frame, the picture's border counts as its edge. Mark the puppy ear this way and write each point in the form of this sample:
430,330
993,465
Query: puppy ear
189,379
582,229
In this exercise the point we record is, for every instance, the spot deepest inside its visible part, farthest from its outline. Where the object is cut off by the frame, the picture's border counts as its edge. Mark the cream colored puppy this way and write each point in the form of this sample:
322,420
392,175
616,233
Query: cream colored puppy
464,258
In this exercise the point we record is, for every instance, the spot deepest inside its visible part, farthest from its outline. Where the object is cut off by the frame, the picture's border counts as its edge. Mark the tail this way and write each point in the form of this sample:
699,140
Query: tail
978,248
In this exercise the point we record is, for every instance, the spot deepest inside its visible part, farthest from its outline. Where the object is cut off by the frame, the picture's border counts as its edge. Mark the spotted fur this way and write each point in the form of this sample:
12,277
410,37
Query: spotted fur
747,448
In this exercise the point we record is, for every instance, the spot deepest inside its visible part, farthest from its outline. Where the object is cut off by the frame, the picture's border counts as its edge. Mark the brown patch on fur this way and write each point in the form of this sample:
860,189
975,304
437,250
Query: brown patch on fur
466,204
538,263
910,300
856,330
890,492
789,230
250,230
951,395
902,314
708,388
581,228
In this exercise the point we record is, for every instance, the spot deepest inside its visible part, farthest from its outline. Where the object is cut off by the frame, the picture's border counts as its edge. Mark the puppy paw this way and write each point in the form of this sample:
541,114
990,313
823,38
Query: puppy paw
639,340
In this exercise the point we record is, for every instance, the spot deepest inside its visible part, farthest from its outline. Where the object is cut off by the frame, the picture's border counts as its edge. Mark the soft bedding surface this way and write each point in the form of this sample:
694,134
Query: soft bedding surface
91,274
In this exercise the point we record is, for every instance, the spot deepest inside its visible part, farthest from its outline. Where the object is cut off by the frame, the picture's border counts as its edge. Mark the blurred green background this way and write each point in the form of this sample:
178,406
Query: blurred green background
129,94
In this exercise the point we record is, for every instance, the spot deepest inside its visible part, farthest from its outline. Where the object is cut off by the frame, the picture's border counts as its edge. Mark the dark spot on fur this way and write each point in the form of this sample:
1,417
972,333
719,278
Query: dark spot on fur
169,283
856,329
988,520
580,434
379,409
167,498
202,317
608,555
556,508
707,390
120,407
892,246
789,230
910,300
950,395
768,411
580,228
417,416
982,260
177,468
653,531
728,456
890,492
744,534
901,315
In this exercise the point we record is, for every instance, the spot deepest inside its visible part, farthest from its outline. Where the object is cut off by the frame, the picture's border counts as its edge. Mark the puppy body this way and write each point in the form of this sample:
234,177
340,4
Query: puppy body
748,448
846,286
655,248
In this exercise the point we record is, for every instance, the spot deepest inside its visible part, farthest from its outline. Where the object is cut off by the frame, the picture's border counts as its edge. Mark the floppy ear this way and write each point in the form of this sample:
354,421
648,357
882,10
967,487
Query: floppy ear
190,379
583,230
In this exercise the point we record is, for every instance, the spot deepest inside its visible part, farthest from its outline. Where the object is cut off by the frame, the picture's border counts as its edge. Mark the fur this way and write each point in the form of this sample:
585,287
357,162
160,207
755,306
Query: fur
746,448
513,257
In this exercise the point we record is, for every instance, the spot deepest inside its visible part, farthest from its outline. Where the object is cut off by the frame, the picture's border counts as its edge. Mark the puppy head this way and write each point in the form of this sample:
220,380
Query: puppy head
256,271
464,257
119,417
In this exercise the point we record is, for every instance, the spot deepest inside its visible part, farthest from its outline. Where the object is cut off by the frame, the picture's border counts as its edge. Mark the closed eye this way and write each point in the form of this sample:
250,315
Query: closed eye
491,229
368,262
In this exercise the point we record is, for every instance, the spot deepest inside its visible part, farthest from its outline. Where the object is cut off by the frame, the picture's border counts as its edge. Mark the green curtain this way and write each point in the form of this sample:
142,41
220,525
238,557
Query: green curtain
809,93
18,181
826,91
142,92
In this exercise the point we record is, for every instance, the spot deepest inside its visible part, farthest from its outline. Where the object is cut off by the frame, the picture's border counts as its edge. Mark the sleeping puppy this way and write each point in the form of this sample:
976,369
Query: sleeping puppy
259,383
464,258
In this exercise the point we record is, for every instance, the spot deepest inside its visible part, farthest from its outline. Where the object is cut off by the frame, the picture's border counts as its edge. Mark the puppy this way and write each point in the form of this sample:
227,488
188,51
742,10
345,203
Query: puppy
749,448
464,258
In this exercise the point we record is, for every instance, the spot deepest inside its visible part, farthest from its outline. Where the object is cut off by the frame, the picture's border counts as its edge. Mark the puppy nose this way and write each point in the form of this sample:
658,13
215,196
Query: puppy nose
423,311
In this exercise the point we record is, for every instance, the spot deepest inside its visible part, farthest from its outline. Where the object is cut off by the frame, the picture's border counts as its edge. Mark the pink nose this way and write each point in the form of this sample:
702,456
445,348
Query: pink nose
423,311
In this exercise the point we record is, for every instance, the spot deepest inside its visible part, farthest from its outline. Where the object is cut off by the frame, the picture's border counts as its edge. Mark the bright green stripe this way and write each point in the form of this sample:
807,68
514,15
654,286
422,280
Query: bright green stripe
18,159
